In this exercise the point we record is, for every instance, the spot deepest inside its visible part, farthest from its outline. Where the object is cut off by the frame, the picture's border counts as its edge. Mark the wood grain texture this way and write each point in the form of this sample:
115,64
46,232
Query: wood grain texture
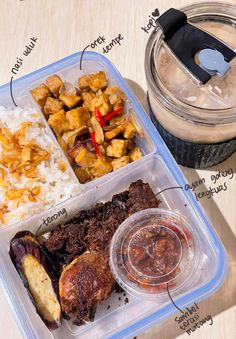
64,27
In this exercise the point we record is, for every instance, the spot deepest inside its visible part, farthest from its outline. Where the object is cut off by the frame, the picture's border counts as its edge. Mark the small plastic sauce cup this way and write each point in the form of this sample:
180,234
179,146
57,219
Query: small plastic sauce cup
150,249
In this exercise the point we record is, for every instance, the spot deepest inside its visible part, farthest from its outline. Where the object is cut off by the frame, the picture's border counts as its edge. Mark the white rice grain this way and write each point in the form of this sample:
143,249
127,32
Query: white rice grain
56,186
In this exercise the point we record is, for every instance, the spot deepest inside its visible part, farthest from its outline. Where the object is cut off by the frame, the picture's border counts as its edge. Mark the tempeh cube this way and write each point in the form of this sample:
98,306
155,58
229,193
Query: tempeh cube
102,103
117,148
101,167
52,106
62,143
105,108
87,116
84,158
130,131
40,94
97,81
116,96
135,154
83,174
114,132
88,97
117,119
54,83
58,122
78,117
70,100
84,83
115,90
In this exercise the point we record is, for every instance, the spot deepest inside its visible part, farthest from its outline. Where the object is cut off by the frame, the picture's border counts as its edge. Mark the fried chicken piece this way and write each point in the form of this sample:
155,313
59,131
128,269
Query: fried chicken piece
68,241
83,284
93,229
141,197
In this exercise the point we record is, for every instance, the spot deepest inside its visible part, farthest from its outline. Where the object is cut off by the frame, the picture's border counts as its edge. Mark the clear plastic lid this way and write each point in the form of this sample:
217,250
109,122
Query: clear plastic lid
213,102
177,82
150,249
153,253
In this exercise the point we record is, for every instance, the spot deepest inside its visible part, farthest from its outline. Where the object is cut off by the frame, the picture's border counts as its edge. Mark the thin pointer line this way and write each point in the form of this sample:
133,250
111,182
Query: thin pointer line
11,92
39,228
169,188
80,65
172,299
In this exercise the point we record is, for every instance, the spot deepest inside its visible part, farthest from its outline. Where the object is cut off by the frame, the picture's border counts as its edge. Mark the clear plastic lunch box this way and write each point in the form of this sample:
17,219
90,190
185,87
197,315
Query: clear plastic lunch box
114,318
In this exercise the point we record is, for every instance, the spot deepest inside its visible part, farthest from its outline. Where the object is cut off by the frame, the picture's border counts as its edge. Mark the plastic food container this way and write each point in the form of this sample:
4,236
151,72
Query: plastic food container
69,75
153,248
193,104
114,317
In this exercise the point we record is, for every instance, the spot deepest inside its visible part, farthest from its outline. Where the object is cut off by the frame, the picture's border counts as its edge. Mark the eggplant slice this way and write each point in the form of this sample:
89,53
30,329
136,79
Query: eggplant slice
38,276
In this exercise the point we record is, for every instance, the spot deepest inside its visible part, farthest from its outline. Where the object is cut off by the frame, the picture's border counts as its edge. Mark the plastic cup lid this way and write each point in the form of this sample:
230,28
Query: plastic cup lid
151,252
177,83
150,249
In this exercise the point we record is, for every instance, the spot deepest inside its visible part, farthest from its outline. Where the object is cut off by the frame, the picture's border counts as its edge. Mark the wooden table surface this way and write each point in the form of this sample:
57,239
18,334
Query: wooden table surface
67,26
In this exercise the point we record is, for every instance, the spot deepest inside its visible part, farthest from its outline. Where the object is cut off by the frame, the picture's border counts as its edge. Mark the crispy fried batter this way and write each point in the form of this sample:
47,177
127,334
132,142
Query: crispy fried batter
93,229
82,244
84,283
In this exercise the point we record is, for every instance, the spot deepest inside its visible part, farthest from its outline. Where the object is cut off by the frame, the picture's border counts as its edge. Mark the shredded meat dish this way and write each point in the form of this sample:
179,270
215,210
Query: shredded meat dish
80,247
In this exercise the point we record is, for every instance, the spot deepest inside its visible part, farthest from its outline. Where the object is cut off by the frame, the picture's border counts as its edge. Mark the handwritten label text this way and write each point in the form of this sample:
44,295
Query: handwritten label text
19,61
213,189
190,320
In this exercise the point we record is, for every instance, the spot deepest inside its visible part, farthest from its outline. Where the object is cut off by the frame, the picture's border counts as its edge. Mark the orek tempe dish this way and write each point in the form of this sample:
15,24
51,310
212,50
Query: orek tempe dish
90,122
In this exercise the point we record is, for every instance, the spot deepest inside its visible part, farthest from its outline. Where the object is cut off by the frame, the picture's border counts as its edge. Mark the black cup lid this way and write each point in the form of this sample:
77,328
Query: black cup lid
200,52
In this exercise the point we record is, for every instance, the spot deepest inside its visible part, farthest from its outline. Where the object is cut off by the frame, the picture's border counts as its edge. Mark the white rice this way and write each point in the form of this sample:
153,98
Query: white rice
56,185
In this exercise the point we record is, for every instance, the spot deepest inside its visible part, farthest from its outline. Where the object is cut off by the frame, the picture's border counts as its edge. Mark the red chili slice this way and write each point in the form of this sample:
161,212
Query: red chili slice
99,117
112,114
95,145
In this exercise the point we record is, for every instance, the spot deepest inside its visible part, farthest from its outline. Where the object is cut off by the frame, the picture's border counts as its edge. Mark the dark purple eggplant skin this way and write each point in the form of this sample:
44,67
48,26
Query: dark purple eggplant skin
25,243
22,234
